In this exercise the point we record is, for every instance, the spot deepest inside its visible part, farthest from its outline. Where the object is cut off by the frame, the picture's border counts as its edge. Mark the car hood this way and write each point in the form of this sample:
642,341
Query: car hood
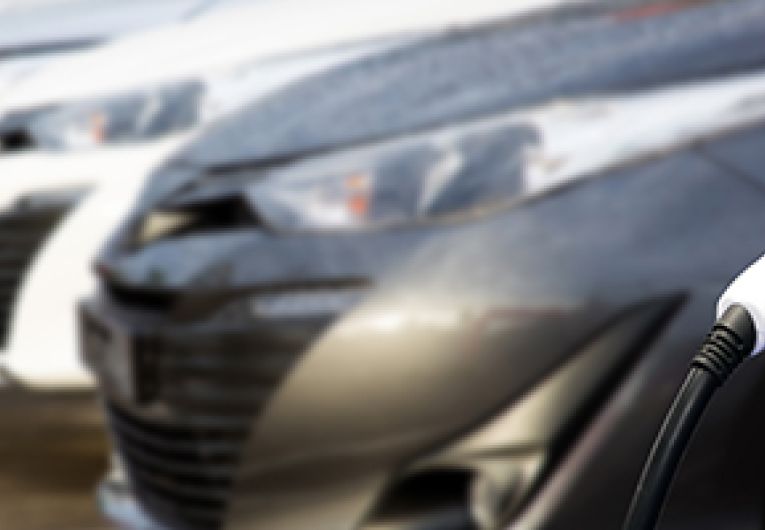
213,42
566,53
530,69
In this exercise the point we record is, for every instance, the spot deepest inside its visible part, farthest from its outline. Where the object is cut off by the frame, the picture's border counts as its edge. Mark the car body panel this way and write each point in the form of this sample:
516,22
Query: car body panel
409,408
448,79
660,242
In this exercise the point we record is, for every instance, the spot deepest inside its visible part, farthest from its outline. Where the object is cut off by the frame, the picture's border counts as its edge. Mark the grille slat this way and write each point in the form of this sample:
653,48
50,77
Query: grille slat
204,397
229,424
211,411
233,372
177,431
217,427
215,497
153,441
204,468
194,468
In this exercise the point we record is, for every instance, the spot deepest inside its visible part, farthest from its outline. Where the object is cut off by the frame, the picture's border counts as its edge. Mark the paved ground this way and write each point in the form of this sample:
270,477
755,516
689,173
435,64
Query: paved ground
52,452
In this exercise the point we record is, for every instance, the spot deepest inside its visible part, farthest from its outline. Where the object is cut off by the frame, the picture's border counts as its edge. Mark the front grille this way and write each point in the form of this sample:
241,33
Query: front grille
182,470
181,474
22,232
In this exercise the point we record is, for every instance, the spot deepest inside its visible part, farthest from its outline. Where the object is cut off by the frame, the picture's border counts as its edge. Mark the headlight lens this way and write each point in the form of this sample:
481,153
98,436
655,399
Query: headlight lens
129,117
401,182
481,164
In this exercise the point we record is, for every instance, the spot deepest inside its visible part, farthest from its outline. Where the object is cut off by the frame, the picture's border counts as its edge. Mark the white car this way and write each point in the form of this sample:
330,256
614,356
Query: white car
34,32
82,135
29,26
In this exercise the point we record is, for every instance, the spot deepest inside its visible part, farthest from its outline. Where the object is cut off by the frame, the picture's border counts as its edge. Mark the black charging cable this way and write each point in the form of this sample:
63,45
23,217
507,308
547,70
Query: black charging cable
731,340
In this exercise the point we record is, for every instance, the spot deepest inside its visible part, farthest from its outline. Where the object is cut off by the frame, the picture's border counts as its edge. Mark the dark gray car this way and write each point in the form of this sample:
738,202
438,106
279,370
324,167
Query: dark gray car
415,292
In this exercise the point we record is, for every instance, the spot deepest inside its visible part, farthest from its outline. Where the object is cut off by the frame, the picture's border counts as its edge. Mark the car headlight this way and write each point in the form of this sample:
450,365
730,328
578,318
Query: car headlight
477,166
129,117
397,183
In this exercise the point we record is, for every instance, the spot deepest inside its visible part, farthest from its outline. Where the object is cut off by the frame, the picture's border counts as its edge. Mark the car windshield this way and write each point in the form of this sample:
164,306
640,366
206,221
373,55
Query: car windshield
570,52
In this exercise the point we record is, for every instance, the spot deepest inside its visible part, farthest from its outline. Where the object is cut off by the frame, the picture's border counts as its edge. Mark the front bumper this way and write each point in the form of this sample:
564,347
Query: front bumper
180,398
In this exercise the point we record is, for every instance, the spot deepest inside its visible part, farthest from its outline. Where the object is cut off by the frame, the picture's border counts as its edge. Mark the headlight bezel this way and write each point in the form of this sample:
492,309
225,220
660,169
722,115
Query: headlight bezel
404,182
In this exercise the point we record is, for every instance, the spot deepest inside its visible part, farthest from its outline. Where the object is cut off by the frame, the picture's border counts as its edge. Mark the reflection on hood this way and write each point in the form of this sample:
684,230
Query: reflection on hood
483,71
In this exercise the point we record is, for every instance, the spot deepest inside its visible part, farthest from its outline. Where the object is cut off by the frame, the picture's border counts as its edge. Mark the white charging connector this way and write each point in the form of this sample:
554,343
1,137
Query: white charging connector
748,291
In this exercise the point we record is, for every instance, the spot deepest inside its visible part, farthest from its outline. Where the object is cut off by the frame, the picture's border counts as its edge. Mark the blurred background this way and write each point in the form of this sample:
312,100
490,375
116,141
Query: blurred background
380,193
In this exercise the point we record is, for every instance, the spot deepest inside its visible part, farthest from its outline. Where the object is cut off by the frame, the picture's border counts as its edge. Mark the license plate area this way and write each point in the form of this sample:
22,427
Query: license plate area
124,362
